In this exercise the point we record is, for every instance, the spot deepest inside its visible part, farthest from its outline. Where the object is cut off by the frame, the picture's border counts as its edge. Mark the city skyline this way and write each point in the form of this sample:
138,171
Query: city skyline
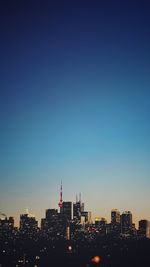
77,199
75,105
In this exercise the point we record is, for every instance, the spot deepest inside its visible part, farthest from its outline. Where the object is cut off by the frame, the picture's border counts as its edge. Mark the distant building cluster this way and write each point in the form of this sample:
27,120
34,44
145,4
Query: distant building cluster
71,221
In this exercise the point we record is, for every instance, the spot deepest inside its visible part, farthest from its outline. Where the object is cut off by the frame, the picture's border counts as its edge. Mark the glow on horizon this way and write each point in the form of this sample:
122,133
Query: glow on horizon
97,210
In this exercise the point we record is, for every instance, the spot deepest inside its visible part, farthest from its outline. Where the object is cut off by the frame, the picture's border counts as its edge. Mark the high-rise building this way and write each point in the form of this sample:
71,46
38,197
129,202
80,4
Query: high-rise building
54,225
87,216
144,228
77,211
100,223
51,220
6,226
28,224
115,216
67,210
51,214
126,222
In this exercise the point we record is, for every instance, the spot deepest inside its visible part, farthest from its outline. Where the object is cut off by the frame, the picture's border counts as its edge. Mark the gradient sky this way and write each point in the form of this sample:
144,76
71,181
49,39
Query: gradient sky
75,105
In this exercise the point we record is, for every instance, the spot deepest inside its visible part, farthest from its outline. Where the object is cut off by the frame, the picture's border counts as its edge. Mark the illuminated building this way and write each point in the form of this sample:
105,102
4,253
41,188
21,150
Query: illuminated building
77,211
51,214
67,210
51,219
68,232
100,222
6,226
78,208
144,228
115,226
87,216
126,222
28,224
115,216
100,225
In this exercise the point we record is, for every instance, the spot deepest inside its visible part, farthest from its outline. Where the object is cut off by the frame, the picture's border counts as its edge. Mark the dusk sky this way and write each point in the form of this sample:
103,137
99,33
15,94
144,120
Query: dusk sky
75,105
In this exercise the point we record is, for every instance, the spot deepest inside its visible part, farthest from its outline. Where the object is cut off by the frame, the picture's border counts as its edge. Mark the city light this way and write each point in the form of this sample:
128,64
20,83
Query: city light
70,248
96,259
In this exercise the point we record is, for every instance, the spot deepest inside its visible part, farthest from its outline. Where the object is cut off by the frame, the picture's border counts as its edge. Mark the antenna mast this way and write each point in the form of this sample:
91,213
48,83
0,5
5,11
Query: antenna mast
60,201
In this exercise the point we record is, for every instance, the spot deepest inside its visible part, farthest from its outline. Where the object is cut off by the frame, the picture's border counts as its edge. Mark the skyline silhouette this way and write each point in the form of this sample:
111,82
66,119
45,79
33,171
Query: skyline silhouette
59,208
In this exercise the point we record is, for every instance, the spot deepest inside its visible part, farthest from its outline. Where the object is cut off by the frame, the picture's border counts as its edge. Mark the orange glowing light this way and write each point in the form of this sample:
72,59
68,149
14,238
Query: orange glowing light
96,259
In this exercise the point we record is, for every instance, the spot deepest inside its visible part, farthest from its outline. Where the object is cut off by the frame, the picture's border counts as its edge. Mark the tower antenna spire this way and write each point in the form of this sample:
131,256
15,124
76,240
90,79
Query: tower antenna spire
60,201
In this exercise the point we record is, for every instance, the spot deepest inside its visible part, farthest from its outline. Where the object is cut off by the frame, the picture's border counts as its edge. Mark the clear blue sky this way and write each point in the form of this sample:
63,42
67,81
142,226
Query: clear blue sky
75,105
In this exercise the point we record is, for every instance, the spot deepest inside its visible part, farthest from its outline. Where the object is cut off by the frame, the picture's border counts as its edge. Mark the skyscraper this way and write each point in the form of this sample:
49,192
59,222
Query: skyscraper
77,211
126,222
144,228
51,214
115,216
28,224
67,210
6,226
87,216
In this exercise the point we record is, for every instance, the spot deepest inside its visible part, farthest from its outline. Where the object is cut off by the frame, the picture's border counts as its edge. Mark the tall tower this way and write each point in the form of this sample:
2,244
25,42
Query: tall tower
60,204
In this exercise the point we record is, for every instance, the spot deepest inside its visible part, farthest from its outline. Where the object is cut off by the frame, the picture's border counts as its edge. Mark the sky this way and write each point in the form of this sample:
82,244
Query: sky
75,106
